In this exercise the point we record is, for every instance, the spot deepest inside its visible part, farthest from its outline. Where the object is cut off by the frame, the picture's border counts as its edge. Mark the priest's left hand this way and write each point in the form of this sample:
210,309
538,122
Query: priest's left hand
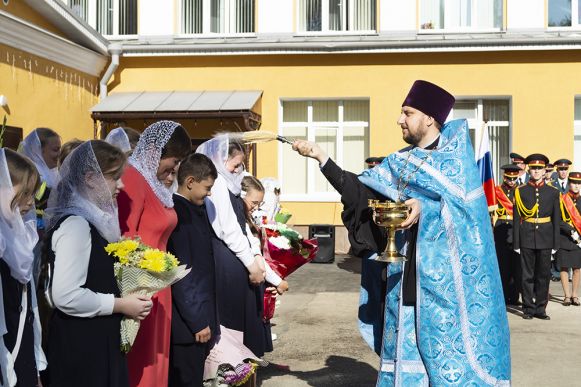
414,216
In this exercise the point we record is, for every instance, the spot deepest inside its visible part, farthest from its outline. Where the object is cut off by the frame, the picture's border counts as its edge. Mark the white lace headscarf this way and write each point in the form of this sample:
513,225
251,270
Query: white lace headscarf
83,191
31,147
147,154
18,234
217,150
118,138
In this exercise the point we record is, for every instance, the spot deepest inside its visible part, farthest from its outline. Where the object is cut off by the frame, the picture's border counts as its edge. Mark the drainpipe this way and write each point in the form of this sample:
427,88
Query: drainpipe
116,49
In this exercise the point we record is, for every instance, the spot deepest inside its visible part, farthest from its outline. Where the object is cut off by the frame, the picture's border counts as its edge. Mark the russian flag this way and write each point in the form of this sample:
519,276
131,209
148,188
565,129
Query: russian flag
484,161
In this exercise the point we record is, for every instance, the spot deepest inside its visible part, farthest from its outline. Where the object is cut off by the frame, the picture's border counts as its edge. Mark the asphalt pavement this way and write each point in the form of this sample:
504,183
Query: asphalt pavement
319,343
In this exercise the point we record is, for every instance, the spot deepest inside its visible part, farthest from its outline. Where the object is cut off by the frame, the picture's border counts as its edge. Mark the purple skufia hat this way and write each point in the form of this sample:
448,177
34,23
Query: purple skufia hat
430,99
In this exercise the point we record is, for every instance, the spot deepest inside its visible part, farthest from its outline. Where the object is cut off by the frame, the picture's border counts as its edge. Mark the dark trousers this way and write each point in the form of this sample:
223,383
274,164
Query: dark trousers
510,272
187,364
536,275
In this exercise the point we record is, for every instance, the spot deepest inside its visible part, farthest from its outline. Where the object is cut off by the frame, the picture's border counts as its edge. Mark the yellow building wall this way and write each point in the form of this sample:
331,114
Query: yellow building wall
44,93
541,84
22,10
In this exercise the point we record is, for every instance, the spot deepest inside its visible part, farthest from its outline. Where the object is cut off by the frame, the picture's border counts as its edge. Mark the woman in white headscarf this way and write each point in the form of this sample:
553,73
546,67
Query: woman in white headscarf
239,270
146,210
84,337
21,356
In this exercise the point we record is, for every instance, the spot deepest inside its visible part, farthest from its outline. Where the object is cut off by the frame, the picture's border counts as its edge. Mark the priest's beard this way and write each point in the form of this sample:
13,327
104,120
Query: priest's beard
413,138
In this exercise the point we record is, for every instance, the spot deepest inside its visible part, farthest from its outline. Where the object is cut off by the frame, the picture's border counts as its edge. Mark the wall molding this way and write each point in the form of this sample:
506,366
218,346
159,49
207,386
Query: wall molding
22,35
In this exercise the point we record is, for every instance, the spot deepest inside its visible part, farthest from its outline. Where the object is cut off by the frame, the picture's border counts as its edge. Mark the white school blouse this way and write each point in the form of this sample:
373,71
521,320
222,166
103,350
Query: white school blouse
271,276
225,224
71,243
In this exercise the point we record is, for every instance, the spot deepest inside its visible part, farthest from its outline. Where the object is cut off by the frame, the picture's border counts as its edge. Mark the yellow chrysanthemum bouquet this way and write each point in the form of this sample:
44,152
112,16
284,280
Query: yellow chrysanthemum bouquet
143,270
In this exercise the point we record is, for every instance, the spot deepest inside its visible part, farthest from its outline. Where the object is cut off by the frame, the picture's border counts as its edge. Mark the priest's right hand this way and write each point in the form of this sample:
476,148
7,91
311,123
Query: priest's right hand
255,273
310,149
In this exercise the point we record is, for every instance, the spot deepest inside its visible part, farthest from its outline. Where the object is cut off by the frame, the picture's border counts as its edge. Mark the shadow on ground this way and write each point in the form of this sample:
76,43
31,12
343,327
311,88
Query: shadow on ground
349,263
338,371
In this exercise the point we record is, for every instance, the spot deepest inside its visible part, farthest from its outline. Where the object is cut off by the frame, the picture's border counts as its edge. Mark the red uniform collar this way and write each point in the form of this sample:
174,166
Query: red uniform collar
540,183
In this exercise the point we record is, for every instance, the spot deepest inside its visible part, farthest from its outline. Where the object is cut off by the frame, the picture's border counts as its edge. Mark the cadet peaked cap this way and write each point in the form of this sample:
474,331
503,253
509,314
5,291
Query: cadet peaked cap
575,177
373,161
516,157
430,99
563,163
549,167
510,170
536,160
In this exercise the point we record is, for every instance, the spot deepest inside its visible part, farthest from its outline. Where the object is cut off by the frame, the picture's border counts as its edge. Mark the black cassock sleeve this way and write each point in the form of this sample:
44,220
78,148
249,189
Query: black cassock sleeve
365,236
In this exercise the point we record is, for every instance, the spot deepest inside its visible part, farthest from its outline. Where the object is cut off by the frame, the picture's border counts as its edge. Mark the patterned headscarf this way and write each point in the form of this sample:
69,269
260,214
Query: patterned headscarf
147,154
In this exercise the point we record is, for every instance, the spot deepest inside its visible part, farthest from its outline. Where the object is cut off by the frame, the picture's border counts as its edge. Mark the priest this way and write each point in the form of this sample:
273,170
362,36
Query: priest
444,320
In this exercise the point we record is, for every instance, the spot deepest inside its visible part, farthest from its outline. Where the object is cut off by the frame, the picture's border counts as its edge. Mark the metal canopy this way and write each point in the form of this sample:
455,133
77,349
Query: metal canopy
179,104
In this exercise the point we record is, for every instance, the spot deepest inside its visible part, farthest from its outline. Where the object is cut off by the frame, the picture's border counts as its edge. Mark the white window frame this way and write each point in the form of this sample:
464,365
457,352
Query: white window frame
473,15
230,21
474,123
576,137
575,25
325,22
312,165
92,19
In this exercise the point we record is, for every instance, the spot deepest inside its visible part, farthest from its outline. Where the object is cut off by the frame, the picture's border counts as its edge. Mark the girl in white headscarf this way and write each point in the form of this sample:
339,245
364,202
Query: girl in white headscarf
21,356
239,269
84,336
124,138
42,146
146,210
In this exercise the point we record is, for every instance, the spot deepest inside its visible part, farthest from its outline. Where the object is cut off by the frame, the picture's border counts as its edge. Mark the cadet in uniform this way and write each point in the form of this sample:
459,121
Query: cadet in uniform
508,259
537,218
519,161
560,181
569,254
549,172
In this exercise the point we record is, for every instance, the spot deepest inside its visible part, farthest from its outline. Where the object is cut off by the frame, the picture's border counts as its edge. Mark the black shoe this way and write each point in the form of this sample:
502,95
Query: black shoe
543,316
527,316
555,279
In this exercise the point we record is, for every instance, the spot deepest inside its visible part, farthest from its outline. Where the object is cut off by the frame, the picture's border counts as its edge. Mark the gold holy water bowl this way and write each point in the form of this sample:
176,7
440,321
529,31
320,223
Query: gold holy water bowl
389,215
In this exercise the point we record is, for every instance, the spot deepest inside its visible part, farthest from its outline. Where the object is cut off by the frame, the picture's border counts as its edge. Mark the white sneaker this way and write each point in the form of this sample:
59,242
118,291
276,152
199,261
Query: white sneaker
274,336
277,303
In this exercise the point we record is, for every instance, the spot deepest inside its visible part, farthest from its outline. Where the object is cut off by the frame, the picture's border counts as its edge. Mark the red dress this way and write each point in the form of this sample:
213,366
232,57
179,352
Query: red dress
142,213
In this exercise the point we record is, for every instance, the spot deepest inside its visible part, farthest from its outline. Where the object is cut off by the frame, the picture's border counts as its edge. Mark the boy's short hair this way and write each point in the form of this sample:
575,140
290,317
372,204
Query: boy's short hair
197,165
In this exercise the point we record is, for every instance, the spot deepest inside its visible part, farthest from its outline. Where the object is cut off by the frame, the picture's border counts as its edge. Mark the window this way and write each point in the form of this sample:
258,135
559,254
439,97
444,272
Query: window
458,15
564,13
577,135
340,127
337,15
217,16
496,114
109,17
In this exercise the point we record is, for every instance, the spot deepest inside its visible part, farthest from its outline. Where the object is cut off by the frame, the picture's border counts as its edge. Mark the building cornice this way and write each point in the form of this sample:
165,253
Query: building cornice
380,43
75,28
22,35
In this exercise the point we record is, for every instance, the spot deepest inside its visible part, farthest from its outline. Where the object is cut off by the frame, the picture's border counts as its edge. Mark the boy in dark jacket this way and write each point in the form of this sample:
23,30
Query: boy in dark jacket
194,320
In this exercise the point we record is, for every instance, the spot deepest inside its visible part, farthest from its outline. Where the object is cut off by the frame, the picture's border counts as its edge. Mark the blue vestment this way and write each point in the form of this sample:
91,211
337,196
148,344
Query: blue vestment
457,333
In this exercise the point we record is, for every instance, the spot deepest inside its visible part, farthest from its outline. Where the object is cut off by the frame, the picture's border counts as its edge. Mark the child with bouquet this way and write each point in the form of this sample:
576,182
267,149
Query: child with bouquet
84,339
